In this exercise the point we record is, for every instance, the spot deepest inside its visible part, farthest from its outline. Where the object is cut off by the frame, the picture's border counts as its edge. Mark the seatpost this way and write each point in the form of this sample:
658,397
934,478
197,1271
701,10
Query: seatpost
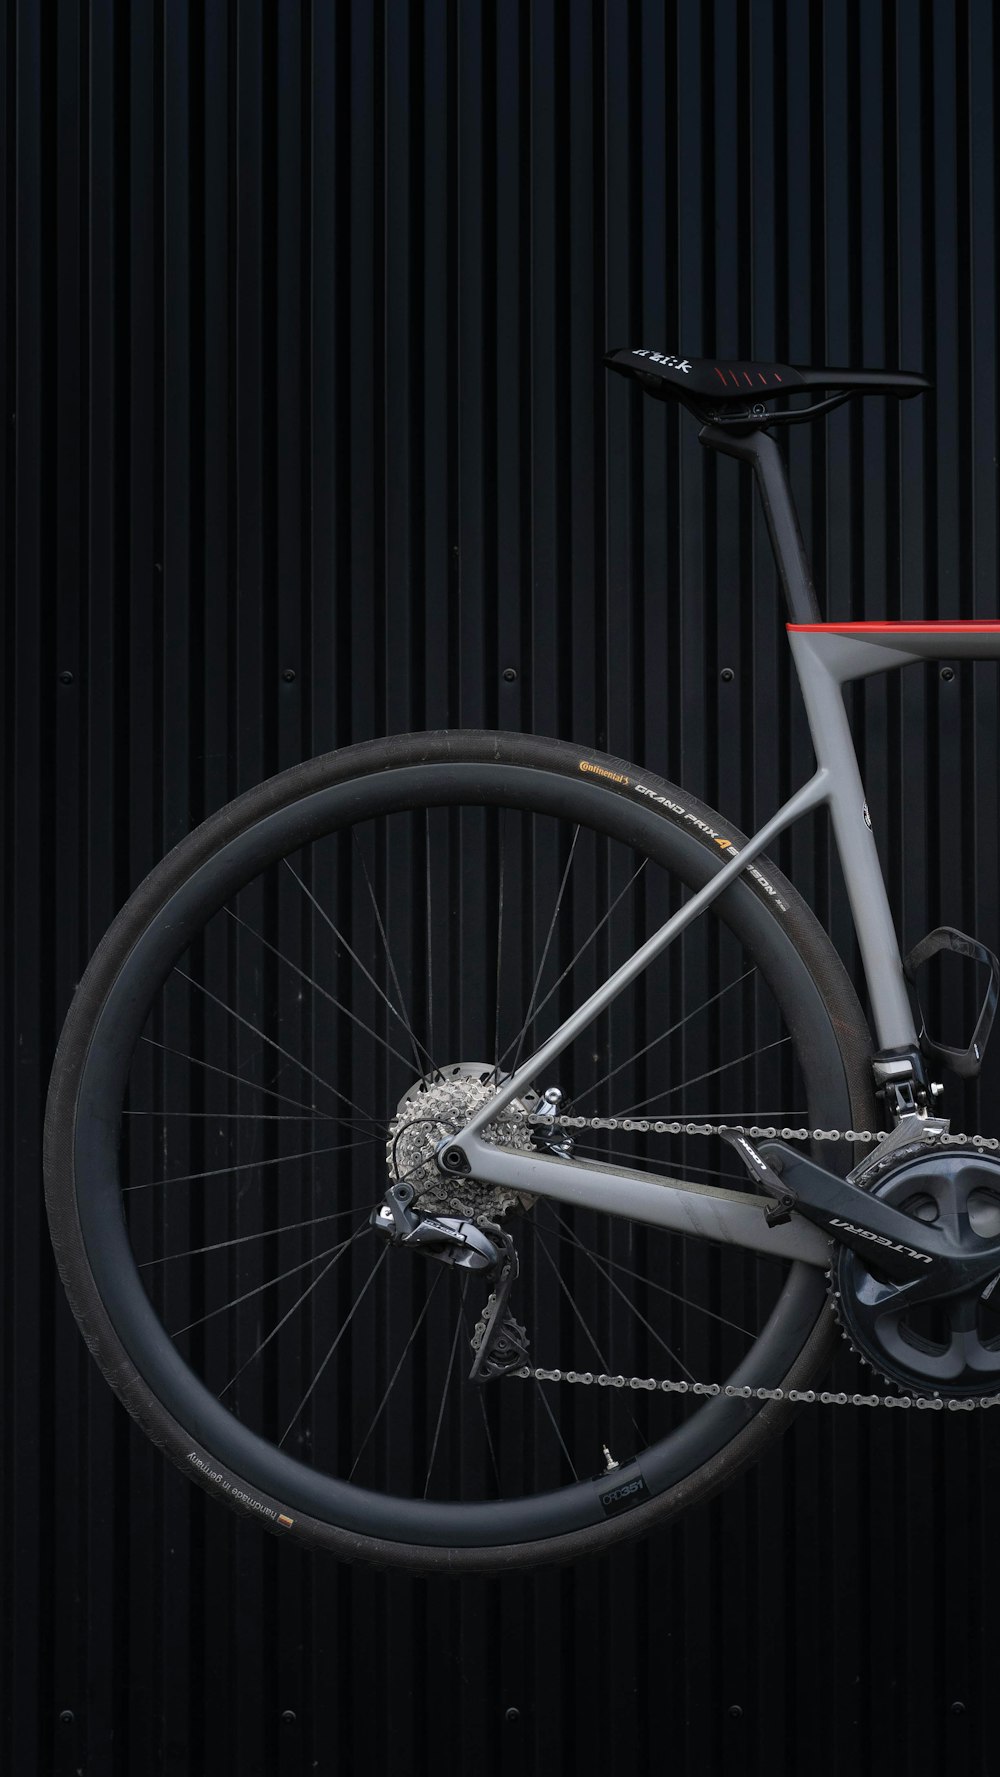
760,450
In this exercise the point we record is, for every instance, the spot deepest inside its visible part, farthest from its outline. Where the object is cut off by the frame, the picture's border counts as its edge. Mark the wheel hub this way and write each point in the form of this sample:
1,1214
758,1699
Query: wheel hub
945,1344
440,1105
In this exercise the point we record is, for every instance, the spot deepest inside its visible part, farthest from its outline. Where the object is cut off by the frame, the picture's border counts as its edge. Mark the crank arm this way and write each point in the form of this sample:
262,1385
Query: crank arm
900,1246
905,1250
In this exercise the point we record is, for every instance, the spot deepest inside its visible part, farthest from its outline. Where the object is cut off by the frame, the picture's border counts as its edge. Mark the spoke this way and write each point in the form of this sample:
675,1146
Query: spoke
418,1323
241,1079
389,955
338,1254
444,1390
371,1279
571,1299
703,1116
615,1265
631,1305
567,1292
552,1421
482,1406
602,922
368,1029
247,1116
734,1178
232,1012
401,1016
185,1178
218,1246
430,926
668,1033
268,1284
531,1014
711,1072
496,1040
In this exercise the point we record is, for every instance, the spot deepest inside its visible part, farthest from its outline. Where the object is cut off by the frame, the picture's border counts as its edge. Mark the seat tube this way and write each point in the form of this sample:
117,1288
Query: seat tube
833,743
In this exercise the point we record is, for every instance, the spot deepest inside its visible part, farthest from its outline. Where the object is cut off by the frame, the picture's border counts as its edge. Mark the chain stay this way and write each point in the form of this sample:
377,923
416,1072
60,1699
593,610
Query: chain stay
798,1396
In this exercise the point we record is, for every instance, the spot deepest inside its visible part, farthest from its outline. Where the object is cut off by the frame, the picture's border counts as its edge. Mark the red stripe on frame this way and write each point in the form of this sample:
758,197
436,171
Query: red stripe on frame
897,628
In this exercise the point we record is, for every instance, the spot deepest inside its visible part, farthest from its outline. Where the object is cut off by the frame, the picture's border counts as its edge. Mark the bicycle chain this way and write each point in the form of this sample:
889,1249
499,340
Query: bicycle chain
802,1396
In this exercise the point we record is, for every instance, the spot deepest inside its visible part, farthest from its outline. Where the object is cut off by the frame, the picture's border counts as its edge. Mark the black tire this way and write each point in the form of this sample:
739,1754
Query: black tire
163,918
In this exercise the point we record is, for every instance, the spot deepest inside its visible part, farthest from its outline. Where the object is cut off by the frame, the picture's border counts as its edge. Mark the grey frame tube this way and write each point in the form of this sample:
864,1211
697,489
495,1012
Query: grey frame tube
809,796
833,744
826,657
736,1218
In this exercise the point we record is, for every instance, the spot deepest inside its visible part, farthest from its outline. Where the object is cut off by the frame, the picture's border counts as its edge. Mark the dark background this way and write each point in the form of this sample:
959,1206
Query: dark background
305,439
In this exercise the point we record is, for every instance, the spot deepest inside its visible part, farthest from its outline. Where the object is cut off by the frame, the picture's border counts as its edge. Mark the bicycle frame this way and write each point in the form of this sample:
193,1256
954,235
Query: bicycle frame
826,656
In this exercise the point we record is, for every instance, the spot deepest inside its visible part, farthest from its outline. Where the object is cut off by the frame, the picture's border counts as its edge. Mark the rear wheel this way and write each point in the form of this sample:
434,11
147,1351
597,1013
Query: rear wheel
285,1017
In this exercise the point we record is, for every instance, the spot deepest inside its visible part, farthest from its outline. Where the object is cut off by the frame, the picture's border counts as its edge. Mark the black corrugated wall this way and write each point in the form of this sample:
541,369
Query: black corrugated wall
306,439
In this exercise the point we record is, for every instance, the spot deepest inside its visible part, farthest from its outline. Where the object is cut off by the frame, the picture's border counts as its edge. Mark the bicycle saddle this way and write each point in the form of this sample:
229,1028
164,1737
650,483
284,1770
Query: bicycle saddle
716,383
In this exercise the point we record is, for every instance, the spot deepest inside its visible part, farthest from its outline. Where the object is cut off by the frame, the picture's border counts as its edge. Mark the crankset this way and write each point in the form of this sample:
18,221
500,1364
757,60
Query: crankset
917,1255
946,1340
903,1246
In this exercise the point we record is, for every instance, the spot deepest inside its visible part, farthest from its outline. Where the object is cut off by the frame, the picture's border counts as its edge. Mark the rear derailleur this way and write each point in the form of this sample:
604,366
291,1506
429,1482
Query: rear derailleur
499,1342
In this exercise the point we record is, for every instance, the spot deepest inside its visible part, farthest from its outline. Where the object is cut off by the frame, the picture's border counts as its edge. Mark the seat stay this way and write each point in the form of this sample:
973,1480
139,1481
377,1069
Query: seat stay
809,796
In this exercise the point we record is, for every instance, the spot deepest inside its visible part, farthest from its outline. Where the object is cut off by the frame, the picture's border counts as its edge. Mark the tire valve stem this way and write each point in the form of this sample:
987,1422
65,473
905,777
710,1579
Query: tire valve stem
609,1462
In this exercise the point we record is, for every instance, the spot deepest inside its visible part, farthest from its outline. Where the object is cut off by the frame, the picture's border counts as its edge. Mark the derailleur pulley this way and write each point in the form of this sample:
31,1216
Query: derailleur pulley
499,1342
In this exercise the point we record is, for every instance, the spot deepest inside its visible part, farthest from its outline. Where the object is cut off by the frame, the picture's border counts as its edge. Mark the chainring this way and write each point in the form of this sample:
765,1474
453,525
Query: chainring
946,1345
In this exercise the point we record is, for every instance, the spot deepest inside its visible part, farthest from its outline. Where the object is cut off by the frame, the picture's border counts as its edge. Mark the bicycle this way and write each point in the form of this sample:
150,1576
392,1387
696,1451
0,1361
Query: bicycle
333,1221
